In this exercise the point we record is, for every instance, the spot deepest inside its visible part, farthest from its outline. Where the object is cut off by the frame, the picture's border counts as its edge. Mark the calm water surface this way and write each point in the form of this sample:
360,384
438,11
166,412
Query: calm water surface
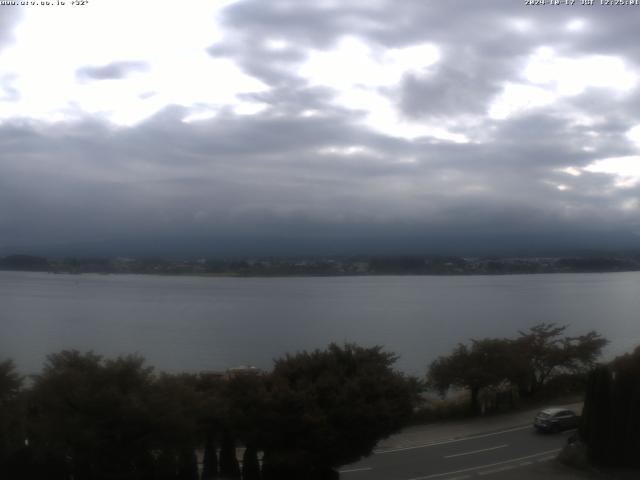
197,323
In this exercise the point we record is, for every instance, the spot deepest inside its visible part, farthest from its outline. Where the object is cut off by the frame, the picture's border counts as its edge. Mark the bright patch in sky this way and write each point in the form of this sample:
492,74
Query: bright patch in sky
625,169
520,25
329,4
354,63
380,113
518,97
276,44
634,135
576,25
52,44
573,171
359,73
347,151
550,77
572,76
630,204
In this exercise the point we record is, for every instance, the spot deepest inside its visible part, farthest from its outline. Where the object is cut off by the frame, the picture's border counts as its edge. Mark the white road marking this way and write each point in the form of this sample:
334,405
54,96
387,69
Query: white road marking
480,467
451,440
352,470
477,451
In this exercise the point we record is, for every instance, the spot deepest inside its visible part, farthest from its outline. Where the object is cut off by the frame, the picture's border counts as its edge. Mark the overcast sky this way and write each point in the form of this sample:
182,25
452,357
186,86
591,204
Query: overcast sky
348,125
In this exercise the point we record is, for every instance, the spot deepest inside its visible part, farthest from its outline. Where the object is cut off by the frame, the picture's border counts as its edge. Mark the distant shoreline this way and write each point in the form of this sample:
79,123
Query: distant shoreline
329,266
318,275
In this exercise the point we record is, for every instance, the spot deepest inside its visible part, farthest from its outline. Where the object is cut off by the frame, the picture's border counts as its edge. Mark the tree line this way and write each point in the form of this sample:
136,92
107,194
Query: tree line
90,418
522,366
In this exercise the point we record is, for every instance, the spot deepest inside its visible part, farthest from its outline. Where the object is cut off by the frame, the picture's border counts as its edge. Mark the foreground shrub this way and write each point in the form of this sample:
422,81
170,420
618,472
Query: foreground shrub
331,407
611,415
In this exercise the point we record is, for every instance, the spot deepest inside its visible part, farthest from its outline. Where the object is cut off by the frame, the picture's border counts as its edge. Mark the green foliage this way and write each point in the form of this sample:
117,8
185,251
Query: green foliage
611,415
250,464
10,382
167,465
563,385
229,466
528,362
542,352
187,465
98,419
93,411
210,459
328,408
485,363
595,421
11,427
174,405
245,398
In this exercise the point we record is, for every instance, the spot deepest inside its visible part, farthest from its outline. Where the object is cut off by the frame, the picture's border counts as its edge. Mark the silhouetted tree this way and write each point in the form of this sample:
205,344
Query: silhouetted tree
94,412
250,464
595,421
173,404
187,464
211,415
245,396
10,382
331,407
92,418
12,429
542,352
528,362
210,459
485,363
611,415
167,465
229,466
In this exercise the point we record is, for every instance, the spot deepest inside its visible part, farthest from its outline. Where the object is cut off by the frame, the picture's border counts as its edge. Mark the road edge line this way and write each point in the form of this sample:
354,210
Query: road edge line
479,467
452,440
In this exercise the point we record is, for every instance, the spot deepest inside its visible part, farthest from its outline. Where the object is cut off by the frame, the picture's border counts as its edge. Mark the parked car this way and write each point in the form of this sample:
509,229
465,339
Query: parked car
555,420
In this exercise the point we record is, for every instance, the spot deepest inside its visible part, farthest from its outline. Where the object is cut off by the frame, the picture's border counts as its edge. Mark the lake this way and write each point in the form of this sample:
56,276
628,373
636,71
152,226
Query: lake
204,323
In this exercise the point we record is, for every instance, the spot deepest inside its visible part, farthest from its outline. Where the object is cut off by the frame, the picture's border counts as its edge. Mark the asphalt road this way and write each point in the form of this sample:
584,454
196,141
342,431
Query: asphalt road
479,456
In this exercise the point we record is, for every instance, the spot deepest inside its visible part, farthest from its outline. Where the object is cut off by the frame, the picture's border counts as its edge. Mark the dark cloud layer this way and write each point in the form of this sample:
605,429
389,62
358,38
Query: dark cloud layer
279,181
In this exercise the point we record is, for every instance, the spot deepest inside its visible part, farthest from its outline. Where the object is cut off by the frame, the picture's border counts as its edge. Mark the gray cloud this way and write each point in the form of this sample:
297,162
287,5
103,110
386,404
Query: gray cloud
284,178
111,71
165,178
9,18
447,91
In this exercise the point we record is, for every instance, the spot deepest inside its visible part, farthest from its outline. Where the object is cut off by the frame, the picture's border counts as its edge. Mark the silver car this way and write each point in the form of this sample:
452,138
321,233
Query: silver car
555,420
